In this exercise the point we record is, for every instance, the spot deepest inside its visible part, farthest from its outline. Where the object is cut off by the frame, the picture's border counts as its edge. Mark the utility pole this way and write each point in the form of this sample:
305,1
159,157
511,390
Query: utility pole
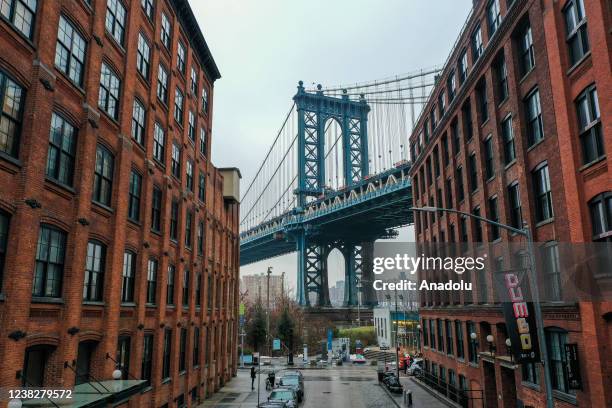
396,342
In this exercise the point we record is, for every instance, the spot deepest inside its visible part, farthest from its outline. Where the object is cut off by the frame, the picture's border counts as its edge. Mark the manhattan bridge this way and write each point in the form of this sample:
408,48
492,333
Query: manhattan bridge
335,177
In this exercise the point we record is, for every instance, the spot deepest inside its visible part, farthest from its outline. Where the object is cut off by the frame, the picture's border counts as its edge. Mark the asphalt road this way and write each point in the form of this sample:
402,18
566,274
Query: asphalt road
337,387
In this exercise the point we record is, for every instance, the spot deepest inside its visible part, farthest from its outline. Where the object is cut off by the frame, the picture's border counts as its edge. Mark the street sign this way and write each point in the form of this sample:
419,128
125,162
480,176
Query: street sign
276,344
241,320
241,309
330,337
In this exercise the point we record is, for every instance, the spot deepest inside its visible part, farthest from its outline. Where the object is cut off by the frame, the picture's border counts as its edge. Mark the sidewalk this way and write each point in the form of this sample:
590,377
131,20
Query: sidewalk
237,392
420,397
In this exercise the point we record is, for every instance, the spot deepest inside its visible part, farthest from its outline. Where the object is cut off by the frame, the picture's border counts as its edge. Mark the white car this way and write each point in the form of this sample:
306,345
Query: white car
417,365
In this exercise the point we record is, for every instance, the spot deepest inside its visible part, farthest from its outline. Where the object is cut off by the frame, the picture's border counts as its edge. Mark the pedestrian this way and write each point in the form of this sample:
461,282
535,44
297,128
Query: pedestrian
253,378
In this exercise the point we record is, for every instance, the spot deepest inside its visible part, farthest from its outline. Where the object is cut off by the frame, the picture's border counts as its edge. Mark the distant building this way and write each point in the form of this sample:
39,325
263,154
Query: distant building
336,294
256,286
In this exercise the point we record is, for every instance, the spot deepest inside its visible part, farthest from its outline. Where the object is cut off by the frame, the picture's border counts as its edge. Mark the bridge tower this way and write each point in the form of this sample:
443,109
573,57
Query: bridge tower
314,111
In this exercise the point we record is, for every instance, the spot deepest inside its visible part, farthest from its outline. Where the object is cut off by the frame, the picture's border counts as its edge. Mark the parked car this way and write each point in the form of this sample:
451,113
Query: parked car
416,366
384,346
272,404
286,395
393,384
295,383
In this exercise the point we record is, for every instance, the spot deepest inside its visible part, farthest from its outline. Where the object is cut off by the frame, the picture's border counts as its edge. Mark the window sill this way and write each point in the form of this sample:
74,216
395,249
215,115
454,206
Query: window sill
150,305
166,380
10,159
2,297
134,222
128,304
536,144
592,163
545,222
565,397
490,179
577,64
103,206
530,385
149,388
113,41
526,75
71,83
45,299
182,373
512,163
59,184
502,102
156,232
483,124
93,303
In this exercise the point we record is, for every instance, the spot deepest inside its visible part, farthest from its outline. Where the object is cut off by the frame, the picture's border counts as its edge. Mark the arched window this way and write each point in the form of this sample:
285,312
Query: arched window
35,364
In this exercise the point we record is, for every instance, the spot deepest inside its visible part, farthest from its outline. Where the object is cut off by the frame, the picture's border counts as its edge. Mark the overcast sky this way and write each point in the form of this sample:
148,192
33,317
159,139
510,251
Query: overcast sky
264,47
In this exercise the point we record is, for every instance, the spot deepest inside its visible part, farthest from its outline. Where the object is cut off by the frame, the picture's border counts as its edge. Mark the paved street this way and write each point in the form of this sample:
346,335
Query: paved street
338,387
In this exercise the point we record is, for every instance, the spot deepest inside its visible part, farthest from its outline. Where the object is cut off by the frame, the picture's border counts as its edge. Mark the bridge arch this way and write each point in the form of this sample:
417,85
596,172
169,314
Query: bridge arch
333,158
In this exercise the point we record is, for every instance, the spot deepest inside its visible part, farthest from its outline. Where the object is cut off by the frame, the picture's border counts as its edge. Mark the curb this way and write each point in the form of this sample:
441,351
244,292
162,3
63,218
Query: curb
389,395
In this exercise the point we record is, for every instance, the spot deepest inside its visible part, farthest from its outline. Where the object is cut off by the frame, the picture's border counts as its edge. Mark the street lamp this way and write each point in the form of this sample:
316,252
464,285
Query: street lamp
492,347
533,284
418,337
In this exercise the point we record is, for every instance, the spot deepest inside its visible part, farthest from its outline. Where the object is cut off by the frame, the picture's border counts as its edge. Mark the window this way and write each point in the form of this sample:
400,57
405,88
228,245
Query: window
463,229
456,137
192,126
441,104
129,272
601,216
196,348
553,272
204,100
477,225
432,118
115,20
508,140
436,158
488,153
147,358
459,344
103,176
514,199
473,348
143,56
94,271
501,76
176,161
180,401
466,110
62,150
556,340
167,353
449,193
576,26
440,324
188,229
152,281
180,57
148,7
182,351
589,123
4,230
203,141
194,81
20,13
533,114
493,216
530,373
432,335
449,337
198,290
49,270
185,288
170,285
110,85
445,154
526,53
178,106
425,334
476,41
493,16
166,31
159,142
483,102
174,214
463,67
459,180
201,186
189,174
156,209
138,122
11,110
70,51
123,356
201,238
542,193
134,196
451,86
473,172
209,294
162,84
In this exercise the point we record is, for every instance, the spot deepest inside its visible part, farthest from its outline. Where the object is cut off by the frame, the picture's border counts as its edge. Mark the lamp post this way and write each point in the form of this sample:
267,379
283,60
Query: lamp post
418,337
533,284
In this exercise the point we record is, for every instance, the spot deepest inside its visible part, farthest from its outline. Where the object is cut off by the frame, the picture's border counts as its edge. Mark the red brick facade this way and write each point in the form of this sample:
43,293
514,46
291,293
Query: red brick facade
574,185
32,197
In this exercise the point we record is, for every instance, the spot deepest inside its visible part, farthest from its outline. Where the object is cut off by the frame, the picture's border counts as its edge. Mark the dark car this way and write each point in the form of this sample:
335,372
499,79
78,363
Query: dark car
394,385
294,382
386,376
286,395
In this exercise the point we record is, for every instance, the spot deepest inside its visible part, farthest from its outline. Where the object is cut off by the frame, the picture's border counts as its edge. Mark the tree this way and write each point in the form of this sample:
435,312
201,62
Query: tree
286,328
256,328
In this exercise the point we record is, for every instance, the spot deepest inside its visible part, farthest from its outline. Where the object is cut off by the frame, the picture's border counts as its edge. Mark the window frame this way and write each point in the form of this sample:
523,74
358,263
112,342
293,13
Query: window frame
143,56
109,92
134,196
15,119
61,152
139,122
116,23
128,276
591,133
70,52
542,193
102,178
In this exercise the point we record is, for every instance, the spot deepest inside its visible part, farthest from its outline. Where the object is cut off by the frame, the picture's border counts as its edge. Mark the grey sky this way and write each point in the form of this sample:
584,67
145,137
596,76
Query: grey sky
264,47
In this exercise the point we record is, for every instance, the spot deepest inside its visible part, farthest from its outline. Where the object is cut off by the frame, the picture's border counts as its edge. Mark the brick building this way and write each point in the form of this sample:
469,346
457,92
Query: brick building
518,129
118,237
255,289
